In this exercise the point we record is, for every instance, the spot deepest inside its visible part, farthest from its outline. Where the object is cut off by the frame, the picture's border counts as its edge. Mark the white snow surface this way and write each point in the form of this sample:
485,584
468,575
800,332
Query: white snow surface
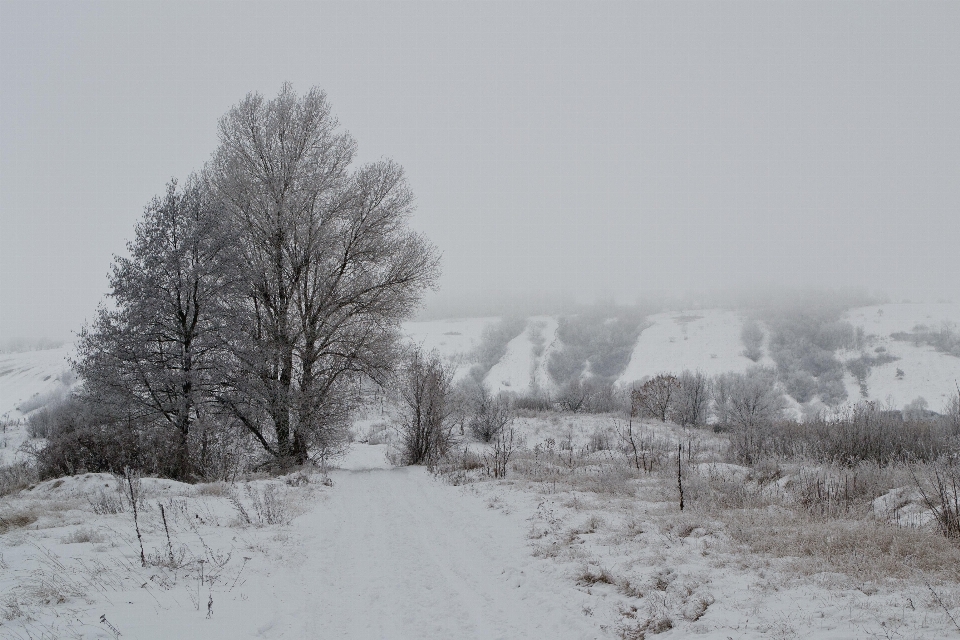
450,338
385,552
707,340
928,373
28,380
28,374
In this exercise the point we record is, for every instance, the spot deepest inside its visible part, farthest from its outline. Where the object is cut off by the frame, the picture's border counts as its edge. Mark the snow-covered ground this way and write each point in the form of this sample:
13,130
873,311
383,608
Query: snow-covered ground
28,380
707,340
927,373
383,553
454,337
399,553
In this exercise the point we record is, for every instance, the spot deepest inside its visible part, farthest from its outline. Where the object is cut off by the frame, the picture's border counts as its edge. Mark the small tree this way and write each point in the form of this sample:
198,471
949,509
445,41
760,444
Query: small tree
656,396
753,402
953,413
490,414
692,399
424,388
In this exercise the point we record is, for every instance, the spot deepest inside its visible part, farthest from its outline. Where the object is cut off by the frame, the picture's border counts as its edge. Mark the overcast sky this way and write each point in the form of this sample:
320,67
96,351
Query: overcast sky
578,150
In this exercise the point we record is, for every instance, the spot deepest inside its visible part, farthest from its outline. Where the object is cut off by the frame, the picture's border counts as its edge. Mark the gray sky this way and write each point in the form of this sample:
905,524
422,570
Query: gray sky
574,150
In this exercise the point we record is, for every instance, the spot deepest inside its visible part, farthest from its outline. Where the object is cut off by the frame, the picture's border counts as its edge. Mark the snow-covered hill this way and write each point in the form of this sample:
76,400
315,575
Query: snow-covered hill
927,373
31,374
28,381
705,340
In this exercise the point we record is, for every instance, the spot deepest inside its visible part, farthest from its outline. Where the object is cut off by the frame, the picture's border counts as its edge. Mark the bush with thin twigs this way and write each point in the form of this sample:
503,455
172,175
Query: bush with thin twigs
505,444
940,489
644,449
866,432
489,414
424,385
17,476
264,507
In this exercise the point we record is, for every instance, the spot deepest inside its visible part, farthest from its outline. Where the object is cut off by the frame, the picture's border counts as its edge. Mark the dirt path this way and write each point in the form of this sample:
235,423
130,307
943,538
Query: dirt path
394,553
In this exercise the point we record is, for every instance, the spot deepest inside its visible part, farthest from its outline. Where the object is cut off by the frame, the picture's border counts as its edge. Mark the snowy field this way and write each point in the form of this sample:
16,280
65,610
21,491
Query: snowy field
574,543
927,373
705,340
28,380
399,553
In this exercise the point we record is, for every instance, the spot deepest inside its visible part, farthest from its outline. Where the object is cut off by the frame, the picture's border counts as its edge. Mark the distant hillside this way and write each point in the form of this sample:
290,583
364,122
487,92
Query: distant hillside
919,340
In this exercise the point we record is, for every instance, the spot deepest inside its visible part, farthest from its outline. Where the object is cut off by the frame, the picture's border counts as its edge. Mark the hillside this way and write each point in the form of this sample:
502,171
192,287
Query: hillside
28,380
927,373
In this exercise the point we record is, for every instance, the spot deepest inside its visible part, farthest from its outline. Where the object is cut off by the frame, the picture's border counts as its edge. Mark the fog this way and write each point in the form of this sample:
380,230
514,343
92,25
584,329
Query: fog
559,152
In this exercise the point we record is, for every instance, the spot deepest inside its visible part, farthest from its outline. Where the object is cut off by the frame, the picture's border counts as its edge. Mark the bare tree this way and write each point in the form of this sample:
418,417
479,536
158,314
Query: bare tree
149,356
692,399
330,264
656,396
424,386
753,399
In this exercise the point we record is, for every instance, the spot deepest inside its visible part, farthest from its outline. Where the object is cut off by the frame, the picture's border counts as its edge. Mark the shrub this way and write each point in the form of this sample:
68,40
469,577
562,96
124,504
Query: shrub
424,387
867,432
81,439
16,476
692,404
656,397
593,395
802,344
945,339
940,490
489,414
599,343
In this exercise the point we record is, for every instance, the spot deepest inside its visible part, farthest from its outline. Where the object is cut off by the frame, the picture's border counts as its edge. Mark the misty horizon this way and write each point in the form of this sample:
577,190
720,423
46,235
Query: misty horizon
560,153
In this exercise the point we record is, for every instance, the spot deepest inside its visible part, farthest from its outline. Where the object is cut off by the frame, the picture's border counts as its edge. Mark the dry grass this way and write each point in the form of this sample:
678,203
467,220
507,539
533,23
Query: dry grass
16,477
83,535
16,520
213,489
863,549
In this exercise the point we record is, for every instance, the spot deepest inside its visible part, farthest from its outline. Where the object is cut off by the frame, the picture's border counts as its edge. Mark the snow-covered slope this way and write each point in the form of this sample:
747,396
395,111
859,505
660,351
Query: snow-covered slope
706,340
28,381
927,373
30,374
523,366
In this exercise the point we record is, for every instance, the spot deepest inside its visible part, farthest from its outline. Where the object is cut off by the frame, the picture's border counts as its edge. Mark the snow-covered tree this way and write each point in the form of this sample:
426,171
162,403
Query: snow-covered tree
330,265
151,351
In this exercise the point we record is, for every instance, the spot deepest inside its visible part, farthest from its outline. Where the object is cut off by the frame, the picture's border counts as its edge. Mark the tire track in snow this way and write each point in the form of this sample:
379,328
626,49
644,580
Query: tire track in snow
397,554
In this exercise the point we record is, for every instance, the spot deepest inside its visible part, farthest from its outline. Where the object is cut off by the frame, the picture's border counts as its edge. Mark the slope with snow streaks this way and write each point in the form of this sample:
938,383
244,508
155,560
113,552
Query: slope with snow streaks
28,374
514,370
705,340
28,380
927,373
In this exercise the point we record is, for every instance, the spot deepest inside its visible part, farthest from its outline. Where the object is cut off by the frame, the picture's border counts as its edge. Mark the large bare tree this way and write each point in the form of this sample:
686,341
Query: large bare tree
330,264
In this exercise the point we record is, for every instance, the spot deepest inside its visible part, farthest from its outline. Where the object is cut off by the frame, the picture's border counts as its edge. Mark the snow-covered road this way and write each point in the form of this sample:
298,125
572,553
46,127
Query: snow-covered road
395,553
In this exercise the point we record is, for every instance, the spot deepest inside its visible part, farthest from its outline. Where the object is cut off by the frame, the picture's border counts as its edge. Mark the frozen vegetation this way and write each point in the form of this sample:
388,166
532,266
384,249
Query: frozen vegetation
555,524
